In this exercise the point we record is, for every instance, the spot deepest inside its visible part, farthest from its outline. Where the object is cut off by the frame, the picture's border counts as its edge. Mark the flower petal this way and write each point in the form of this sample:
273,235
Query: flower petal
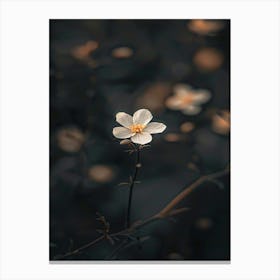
154,127
202,96
191,110
173,103
181,90
122,132
142,116
124,119
142,138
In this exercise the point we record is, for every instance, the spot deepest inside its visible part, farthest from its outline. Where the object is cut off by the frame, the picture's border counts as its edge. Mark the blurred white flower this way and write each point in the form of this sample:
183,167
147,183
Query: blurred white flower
187,99
70,139
101,173
137,127
83,52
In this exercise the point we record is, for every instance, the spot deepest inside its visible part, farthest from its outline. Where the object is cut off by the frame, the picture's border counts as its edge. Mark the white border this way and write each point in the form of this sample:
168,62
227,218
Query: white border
255,138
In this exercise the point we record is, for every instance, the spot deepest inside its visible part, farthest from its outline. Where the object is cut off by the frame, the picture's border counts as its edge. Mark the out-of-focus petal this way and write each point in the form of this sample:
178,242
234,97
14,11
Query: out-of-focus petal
124,119
142,116
191,110
122,52
101,173
173,103
187,127
153,97
182,90
205,27
173,137
70,139
202,96
122,132
208,59
142,138
154,127
221,123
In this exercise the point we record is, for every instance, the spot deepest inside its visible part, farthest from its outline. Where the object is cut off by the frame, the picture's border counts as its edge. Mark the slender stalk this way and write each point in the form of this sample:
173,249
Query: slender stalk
137,166
168,210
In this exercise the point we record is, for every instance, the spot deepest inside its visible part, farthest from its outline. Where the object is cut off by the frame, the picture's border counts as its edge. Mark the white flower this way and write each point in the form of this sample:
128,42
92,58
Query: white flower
187,99
138,128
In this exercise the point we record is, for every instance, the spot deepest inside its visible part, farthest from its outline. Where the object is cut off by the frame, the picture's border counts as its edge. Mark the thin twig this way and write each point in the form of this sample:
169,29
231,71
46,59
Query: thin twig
189,189
167,211
80,248
117,249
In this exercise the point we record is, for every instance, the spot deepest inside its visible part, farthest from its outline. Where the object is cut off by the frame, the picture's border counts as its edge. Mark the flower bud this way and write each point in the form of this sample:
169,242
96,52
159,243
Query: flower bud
125,142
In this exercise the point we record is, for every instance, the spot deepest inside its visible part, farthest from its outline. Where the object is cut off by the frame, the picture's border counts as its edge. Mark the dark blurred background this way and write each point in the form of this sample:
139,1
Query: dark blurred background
101,67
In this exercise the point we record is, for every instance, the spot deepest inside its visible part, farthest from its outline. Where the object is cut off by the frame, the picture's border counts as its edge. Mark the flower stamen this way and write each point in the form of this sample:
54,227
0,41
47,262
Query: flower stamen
137,128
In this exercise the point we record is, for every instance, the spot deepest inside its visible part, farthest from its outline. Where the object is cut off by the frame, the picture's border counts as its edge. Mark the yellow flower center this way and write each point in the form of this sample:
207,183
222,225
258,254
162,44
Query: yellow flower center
186,100
137,128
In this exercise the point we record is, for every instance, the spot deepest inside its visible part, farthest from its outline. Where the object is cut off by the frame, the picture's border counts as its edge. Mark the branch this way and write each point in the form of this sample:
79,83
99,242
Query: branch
80,248
190,189
167,211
